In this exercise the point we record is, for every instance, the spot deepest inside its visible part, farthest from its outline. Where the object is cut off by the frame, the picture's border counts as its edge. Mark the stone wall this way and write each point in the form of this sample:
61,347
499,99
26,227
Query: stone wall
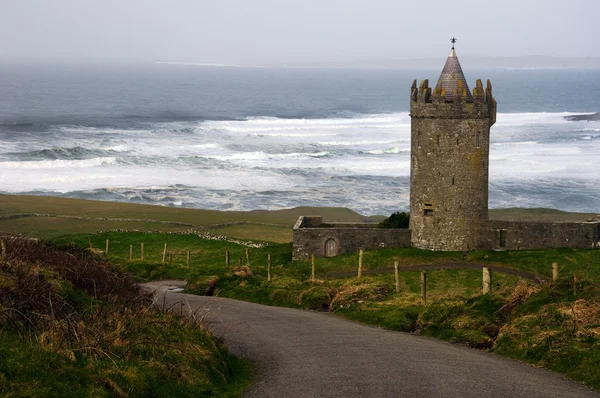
538,235
449,168
311,237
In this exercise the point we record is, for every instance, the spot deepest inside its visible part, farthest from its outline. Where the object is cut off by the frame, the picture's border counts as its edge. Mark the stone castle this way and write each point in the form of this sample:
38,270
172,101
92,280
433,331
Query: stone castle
450,141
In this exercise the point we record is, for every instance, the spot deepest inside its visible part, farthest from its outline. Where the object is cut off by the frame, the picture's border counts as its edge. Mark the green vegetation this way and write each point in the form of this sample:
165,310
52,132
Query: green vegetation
552,325
555,325
72,325
396,220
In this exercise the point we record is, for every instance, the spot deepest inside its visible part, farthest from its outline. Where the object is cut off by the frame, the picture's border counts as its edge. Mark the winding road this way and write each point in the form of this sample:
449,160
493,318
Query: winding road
307,354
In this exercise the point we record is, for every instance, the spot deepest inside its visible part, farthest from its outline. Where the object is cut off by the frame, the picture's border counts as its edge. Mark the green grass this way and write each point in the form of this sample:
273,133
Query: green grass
556,326
73,325
546,325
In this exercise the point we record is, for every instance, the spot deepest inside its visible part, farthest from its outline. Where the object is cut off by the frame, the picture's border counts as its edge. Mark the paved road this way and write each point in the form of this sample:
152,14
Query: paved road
306,354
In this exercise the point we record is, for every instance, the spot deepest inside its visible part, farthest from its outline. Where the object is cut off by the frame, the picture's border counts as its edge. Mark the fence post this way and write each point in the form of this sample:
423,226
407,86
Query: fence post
397,276
3,246
248,257
189,259
142,252
360,262
130,252
487,280
554,272
269,267
106,250
164,253
312,274
227,258
424,287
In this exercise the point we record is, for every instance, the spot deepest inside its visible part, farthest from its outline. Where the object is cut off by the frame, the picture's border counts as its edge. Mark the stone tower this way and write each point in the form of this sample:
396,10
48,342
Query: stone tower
450,138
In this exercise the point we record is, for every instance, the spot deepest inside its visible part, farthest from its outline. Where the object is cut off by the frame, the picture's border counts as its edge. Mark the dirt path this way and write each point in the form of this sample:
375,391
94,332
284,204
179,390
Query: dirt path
307,354
430,267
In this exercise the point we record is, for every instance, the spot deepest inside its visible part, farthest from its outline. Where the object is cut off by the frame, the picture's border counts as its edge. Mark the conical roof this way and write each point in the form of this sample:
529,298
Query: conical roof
451,75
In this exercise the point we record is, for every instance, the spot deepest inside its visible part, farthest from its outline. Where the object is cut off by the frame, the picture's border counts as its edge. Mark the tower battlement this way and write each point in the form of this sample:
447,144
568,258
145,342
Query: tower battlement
437,103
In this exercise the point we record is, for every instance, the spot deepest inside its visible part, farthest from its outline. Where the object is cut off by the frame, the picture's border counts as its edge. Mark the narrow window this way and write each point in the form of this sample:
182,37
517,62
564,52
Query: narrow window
428,212
478,140
502,238
452,180
456,140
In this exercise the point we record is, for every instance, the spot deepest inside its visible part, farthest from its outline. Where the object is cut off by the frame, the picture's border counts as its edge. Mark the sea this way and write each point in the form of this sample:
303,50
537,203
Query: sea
248,138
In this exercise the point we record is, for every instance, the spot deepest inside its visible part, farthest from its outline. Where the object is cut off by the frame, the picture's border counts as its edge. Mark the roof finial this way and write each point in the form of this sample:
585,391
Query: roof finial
453,40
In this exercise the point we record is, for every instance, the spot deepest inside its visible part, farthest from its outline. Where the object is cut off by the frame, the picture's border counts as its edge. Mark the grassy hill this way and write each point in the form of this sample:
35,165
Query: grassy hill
73,325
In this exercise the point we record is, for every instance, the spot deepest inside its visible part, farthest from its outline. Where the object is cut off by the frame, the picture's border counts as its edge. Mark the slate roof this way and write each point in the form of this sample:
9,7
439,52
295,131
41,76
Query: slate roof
451,75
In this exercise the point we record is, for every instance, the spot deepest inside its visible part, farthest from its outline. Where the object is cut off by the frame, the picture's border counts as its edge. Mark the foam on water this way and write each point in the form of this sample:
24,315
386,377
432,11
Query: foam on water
268,162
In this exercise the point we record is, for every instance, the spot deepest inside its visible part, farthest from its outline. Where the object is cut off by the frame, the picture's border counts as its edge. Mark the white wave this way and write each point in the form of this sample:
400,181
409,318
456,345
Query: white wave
265,156
351,143
117,148
96,130
522,119
206,146
394,150
590,129
54,164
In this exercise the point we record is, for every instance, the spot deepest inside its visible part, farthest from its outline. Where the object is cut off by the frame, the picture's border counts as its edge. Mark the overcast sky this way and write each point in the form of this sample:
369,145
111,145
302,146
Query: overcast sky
280,31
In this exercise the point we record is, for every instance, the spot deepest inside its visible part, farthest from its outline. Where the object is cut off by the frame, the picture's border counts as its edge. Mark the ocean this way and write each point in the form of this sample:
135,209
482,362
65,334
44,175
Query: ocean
234,138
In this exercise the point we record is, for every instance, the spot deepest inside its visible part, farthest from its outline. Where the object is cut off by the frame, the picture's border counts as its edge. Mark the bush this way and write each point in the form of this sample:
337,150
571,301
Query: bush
396,220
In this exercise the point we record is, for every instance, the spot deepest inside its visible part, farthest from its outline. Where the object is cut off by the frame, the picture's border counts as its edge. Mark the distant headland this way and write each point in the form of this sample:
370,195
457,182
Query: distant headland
591,117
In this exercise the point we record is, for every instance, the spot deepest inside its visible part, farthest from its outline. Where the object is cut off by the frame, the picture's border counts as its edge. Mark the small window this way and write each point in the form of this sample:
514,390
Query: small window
456,140
452,180
503,238
428,212
428,204
478,140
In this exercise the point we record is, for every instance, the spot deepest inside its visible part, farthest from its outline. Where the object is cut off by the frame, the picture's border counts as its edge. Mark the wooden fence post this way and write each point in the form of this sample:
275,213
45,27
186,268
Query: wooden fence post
164,253
360,262
312,274
189,258
142,252
269,267
106,250
554,272
397,276
130,252
424,287
227,258
247,257
487,280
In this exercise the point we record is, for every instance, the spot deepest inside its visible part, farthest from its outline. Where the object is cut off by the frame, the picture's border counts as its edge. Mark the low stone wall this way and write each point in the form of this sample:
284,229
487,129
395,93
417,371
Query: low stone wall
311,236
528,235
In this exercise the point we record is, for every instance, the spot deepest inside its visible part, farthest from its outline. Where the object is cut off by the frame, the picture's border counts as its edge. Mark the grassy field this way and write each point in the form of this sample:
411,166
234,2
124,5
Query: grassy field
555,325
73,325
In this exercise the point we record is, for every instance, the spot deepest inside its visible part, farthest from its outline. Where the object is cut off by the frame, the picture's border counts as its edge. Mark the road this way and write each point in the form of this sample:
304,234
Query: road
307,354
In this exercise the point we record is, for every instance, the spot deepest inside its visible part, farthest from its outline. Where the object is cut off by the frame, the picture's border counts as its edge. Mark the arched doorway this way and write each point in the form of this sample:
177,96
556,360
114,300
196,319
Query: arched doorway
331,248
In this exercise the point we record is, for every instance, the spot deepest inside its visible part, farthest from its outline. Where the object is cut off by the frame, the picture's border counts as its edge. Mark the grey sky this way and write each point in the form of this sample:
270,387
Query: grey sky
270,31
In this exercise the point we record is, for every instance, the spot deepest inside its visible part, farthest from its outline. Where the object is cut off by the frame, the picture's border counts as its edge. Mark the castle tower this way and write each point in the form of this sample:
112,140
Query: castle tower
450,138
